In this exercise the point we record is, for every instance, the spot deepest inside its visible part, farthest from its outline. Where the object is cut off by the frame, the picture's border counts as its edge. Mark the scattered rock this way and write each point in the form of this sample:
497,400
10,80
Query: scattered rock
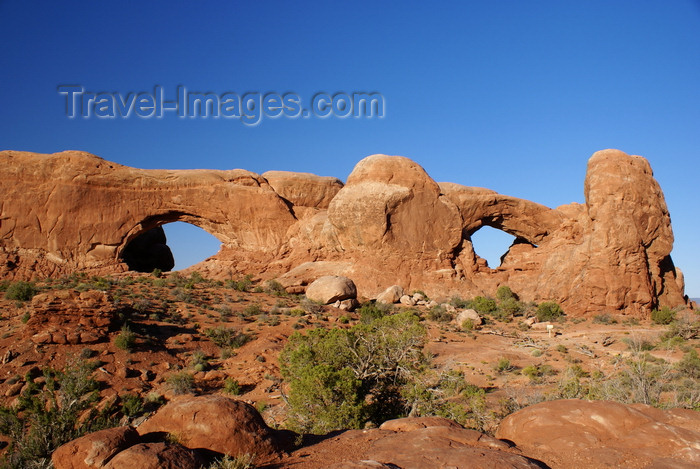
391,295
407,300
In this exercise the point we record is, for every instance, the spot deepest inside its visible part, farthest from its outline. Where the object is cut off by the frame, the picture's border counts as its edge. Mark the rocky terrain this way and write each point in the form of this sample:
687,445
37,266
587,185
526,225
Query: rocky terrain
341,325
390,223
187,370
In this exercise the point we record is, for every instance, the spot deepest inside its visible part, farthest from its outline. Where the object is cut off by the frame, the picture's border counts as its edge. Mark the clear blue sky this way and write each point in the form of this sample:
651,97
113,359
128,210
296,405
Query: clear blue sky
510,95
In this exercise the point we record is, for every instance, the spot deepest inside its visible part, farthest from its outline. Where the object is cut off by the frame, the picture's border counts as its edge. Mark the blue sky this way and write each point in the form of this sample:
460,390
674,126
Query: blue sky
510,95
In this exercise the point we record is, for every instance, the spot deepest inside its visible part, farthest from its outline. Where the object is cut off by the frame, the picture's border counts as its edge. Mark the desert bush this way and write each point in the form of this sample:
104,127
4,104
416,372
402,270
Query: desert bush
483,305
663,316
505,293
50,414
459,302
227,337
438,313
273,287
683,328
604,318
199,360
503,365
181,383
20,291
468,325
252,309
508,308
637,343
126,340
689,365
340,378
445,393
242,461
369,311
311,306
548,311
231,386
132,405
242,285
536,372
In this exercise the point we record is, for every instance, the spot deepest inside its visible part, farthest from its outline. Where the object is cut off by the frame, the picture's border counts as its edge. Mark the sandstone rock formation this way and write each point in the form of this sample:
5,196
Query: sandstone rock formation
71,317
584,434
215,423
390,224
94,450
154,456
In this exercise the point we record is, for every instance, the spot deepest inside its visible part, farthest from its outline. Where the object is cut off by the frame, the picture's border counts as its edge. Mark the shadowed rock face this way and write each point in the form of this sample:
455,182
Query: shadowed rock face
391,224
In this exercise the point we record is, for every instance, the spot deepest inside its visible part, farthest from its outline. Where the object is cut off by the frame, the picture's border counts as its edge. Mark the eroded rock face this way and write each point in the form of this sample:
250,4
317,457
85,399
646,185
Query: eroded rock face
391,224
576,433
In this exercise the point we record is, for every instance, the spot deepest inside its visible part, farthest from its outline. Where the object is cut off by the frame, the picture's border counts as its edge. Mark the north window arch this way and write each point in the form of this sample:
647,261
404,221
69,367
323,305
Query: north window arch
168,242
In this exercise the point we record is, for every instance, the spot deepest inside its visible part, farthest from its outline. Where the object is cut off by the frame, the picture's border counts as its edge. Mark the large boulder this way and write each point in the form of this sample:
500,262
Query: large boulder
331,288
155,456
94,450
470,314
391,295
215,423
568,433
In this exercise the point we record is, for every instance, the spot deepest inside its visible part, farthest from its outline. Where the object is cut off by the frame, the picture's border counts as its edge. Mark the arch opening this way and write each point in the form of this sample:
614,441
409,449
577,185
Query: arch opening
492,244
169,246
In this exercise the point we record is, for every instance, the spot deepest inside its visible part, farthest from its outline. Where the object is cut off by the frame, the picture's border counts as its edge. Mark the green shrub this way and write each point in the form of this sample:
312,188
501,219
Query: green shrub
689,365
605,318
508,308
370,311
483,305
242,461
503,365
181,383
505,293
537,372
199,360
50,414
132,405
126,340
548,311
231,386
663,316
252,310
273,287
20,291
227,337
242,285
468,325
340,378
438,313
